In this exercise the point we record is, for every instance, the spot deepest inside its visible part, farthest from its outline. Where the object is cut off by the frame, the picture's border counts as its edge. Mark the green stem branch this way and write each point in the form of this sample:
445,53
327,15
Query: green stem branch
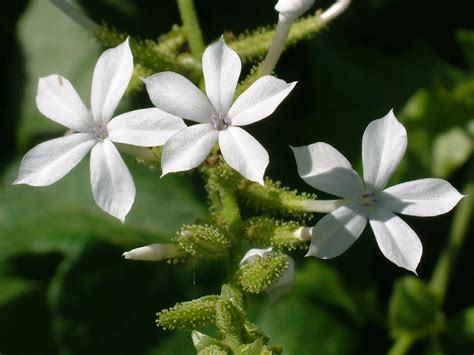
459,228
192,28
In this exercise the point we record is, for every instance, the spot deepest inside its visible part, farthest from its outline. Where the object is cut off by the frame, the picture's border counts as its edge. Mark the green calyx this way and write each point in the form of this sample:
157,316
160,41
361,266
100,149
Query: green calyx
189,315
265,231
203,241
262,272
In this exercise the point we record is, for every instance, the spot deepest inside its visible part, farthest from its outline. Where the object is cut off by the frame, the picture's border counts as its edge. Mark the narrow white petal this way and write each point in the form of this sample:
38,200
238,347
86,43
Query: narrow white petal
254,254
243,153
188,148
178,96
383,146
259,100
321,166
337,231
423,198
397,241
221,67
111,76
112,185
59,101
148,127
50,161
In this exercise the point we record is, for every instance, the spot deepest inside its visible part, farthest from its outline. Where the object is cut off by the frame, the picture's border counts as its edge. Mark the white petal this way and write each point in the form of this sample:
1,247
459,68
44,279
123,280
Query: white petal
337,231
284,284
259,100
383,146
112,185
178,96
423,198
50,161
293,8
59,101
397,241
253,254
324,168
188,148
244,153
221,67
148,127
111,76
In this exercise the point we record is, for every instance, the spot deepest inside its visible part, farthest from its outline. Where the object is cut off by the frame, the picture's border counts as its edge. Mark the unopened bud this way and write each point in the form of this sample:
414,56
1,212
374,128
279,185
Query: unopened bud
153,252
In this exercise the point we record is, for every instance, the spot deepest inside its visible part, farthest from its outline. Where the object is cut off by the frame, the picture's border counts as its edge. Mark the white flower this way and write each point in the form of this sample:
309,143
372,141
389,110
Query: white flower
218,118
112,185
284,284
383,146
293,8
152,252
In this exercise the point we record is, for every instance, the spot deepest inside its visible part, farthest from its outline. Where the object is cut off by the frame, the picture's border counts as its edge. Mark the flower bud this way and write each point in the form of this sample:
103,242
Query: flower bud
292,9
153,252
265,270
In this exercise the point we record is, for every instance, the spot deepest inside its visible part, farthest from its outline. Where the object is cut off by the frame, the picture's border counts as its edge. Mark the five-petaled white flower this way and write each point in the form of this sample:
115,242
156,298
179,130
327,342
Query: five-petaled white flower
281,286
218,118
383,146
293,8
112,185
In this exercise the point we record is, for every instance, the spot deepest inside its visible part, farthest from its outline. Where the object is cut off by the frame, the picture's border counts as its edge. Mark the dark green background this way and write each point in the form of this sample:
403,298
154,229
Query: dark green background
64,287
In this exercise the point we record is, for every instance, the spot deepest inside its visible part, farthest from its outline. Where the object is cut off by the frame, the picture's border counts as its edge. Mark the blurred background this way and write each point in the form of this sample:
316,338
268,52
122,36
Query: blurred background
64,287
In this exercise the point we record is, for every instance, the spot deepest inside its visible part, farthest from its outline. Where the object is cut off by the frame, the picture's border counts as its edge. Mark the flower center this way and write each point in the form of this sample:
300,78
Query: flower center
367,199
99,133
220,121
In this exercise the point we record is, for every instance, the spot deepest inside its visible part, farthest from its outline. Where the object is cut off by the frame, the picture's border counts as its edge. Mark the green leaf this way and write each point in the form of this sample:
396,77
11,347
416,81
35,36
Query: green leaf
58,217
321,282
414,310
202,341
451,150
302,327
102,304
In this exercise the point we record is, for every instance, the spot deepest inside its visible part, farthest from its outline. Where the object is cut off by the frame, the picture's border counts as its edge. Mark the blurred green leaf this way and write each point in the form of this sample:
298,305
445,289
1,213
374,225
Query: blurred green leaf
322,283
52,43
303,327
460,332
24,314
62,216
414,310
98,301
450,151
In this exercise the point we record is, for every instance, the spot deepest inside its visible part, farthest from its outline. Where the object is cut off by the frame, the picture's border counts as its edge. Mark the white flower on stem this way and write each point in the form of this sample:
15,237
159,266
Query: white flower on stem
383,146
219,119
152,252
293,9
284,284
112,185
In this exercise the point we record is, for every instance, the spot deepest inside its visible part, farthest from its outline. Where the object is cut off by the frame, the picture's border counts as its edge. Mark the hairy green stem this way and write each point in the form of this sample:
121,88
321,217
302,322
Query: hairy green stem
192,28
